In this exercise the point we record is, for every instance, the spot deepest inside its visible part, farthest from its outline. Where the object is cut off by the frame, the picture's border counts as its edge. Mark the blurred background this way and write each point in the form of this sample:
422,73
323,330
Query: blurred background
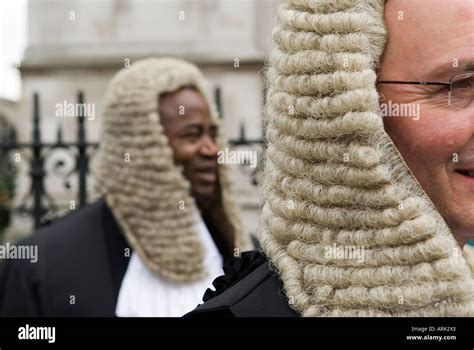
64,51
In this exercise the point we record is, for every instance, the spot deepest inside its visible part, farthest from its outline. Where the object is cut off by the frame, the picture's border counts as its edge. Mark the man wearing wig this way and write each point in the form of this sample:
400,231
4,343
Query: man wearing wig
165,222
369,170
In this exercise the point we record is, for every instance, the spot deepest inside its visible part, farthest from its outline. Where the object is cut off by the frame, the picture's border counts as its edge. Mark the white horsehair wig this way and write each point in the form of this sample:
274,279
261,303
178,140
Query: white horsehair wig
333,178
135,171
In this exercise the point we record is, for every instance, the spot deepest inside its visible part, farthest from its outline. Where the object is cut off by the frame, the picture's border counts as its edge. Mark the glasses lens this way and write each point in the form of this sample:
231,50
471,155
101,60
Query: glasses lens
462,92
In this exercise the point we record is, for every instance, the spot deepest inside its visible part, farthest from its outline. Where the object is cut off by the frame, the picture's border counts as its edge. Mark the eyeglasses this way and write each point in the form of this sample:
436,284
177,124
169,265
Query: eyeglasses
460,88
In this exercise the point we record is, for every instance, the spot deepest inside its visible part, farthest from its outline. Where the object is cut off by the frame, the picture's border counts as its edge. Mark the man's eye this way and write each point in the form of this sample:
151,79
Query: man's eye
440,90
193,135
464,83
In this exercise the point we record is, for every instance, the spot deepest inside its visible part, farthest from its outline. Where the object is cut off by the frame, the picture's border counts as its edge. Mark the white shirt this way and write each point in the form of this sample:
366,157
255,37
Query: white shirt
145,294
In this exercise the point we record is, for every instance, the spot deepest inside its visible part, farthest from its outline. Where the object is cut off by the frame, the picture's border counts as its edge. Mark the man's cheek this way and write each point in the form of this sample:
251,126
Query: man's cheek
434,142
184,152
448,143
409,139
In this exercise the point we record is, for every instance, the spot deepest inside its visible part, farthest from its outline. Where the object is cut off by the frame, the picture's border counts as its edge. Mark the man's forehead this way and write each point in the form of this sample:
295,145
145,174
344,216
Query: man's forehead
459,8
433,38
448,67
182,100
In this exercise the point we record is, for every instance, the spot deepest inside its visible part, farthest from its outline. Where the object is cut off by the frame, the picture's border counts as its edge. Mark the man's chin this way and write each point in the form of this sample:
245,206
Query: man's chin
204,194
461,224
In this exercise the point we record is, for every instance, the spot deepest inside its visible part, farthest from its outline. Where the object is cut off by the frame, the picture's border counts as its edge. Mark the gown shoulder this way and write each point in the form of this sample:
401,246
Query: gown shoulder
250,287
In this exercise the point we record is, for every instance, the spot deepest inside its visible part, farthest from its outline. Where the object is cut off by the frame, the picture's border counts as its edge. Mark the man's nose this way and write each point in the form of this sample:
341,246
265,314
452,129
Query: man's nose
209,147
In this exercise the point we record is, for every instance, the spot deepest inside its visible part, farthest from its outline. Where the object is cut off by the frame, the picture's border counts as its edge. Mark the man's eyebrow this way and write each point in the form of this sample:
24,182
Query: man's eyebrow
445,71
192,126
200,127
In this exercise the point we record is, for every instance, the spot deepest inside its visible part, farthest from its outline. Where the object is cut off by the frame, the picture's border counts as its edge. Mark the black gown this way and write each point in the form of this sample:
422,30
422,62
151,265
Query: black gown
249,288
82,259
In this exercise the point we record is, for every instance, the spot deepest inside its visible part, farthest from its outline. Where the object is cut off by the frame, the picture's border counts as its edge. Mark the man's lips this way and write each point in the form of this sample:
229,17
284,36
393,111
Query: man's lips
466,175
466,171
206,174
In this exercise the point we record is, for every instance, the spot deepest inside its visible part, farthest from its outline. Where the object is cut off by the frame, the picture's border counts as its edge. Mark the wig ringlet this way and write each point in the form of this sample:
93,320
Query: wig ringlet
334,178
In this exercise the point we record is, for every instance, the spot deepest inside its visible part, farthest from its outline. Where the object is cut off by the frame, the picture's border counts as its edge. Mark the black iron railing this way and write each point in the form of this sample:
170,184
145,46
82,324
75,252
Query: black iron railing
38,203
43,206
